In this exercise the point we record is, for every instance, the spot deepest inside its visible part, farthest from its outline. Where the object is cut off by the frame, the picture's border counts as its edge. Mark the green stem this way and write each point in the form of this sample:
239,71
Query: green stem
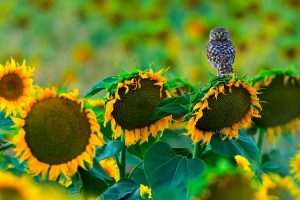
198,149
134,169
123,159
261,136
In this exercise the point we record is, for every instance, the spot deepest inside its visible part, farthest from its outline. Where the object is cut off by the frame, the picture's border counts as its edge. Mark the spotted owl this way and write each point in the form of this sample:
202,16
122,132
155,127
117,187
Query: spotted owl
220,51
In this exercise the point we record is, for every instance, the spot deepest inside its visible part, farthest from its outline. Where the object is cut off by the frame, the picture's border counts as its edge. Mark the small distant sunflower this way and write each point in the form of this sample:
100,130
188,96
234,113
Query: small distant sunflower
243,163
131,106
277,188
224,182
281,92
227,105
13,188
145,192
15,87
57,134
295,166
110,166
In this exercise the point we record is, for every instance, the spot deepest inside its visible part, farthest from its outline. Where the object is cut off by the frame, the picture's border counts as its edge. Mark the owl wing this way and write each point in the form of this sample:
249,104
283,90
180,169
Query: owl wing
212,54
227,55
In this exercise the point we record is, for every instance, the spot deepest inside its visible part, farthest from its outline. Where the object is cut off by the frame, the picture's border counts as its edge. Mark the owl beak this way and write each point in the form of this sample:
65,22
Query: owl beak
218,36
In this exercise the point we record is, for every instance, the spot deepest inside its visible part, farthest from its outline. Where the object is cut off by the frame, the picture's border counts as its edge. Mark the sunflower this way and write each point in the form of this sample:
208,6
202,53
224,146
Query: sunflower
130,107
57,134
281,92
227,104
223,182
276,188
110,166
15,87
15,188
243,163
295,166
145,192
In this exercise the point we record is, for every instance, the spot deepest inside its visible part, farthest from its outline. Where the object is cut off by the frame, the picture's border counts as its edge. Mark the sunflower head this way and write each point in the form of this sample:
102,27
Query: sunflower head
131,104
295,166
225,106
12,187
276,187
15,87
223,182
57,134
281,92
145,192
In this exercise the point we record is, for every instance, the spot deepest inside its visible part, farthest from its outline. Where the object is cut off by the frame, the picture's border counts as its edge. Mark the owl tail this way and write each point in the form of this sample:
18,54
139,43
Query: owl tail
225,70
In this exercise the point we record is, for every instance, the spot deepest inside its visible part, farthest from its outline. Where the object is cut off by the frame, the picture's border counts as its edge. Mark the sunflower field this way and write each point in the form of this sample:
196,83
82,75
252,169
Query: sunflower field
119,100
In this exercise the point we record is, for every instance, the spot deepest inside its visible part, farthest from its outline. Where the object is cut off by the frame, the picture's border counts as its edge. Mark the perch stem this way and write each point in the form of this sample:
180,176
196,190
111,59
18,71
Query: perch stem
199,147
261,135
123,159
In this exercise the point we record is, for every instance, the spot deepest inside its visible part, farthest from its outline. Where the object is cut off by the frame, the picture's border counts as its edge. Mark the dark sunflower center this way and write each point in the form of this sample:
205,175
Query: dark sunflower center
226,110
56,130
229,187
11,194
135,109
11,87
282,103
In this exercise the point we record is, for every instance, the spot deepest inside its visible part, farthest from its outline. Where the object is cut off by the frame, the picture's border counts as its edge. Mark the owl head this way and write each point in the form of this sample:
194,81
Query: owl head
219,34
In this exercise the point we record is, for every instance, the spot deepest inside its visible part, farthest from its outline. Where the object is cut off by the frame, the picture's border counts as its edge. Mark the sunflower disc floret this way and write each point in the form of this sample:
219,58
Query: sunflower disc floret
225,107
15,87
57,134
224,182
131,106
281,92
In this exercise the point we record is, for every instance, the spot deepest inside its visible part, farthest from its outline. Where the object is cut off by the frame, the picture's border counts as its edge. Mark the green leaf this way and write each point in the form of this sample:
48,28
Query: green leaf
183,151
169,192
94,181
281,158
76,187
176,105
112,148
101,85
243,146
123,189
270,166
139,176
164,167
6,146
5,123
140,149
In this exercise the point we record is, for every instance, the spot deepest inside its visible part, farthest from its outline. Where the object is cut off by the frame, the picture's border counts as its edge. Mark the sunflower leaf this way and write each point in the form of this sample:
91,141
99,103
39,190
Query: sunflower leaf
93,185
6,146
124,189
101,85
112,148
176,105
164,167
243,146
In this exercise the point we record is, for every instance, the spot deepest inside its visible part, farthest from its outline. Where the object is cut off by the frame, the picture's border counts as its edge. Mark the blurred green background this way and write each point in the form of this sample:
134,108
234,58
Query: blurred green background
81,42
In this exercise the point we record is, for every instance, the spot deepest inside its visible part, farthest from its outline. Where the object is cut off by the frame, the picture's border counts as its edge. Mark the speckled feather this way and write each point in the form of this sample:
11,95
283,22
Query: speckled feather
221,55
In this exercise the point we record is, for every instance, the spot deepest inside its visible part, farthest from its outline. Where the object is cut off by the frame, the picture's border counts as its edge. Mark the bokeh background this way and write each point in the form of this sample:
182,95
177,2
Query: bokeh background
81,41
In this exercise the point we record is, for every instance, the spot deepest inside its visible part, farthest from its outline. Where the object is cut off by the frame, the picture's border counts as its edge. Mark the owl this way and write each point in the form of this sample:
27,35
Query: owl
220,51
